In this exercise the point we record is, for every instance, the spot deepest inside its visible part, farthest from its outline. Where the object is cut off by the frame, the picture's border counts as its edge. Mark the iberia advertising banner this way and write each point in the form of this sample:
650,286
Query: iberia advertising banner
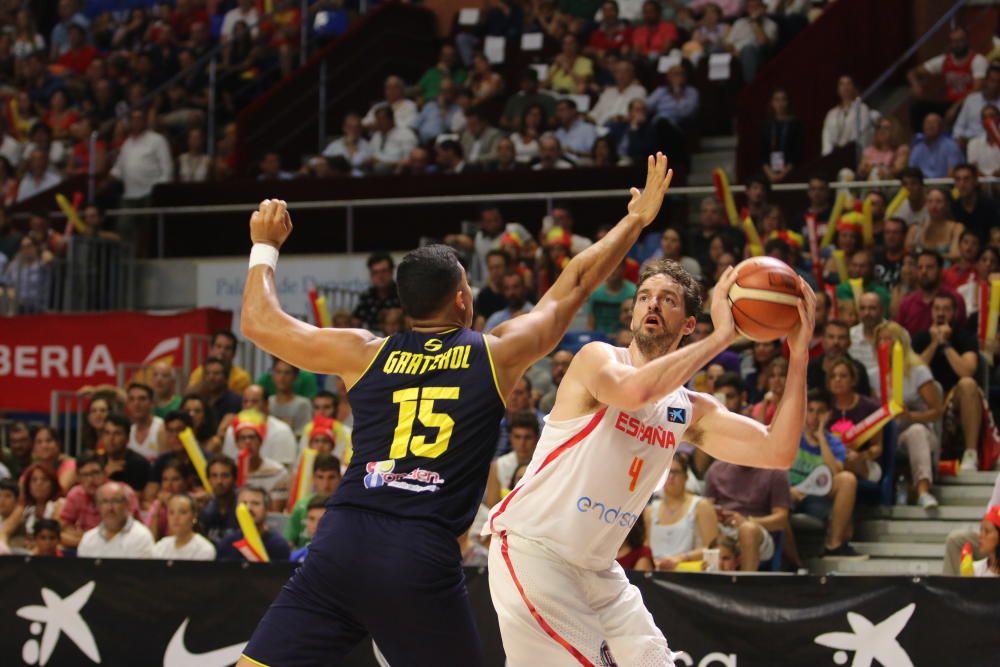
43,353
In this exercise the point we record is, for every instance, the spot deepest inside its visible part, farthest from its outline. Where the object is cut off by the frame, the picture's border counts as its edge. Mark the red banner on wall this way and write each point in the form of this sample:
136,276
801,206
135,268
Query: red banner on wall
43,353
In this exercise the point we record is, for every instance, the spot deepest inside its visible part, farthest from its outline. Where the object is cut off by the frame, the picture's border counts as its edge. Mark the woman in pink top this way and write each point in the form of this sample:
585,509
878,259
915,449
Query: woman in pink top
885,156
48,451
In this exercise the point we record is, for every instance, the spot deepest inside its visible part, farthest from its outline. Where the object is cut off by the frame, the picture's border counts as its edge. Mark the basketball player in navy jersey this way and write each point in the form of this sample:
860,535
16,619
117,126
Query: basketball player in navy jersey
427,407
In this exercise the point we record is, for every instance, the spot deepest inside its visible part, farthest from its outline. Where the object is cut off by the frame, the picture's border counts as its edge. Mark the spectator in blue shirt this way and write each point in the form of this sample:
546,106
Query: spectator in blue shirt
514,292
440,115
257,501
676,101
576,135
935,153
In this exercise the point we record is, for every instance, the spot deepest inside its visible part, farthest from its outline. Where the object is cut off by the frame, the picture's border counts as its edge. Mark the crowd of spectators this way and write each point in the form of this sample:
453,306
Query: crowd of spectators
921,271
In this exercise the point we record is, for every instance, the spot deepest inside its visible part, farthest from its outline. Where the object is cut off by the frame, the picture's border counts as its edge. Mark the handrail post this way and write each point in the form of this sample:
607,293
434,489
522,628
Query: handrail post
92,168
210,129
322,107
304,33
350,229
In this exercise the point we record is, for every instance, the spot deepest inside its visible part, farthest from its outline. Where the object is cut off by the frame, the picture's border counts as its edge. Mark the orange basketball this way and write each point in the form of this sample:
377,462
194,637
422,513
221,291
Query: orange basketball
764,299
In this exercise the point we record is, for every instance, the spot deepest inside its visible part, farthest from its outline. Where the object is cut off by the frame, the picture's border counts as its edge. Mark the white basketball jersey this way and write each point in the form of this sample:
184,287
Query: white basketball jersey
591,477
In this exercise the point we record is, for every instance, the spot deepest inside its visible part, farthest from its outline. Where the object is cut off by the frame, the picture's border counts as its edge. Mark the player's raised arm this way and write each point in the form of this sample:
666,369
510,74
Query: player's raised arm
523,340
345,352
744,441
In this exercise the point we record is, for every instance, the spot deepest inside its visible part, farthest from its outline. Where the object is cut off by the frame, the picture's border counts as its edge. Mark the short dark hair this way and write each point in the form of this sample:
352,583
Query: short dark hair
671,269
760,179
729,379
253,488
524,419
965,166
178,415
317,502
427,278
87,458
213,360
225,333
51,525
328,394
378,258
840,324
781,245
496,252
941,294
912,172
818,395
899,221
119,420
568,102
141,387
453,146
221,460
276,360
326,462
927,252
10,485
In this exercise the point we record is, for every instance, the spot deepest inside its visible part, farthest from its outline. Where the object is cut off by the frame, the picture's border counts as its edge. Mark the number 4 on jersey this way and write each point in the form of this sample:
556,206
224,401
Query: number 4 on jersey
634,470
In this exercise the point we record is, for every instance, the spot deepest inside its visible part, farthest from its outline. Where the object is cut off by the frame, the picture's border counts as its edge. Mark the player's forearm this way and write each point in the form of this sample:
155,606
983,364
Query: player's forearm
785,430
590,268
667,374
261,310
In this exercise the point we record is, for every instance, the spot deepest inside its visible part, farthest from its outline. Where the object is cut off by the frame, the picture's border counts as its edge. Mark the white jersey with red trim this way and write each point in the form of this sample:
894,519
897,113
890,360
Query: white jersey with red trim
591,477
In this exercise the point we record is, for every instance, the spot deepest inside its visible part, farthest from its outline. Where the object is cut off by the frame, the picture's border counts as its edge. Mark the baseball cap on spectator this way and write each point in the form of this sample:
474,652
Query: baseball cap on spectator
251,420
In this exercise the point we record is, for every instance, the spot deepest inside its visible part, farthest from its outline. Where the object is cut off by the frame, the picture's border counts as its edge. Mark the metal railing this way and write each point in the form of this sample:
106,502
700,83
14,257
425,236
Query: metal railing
351,206
67,414
95,275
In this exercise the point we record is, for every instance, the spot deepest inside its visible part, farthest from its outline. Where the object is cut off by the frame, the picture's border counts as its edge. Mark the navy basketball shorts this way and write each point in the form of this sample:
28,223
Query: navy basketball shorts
399,580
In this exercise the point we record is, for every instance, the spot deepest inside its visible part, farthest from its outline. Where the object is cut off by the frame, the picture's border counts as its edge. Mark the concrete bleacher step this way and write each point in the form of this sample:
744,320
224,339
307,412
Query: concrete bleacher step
719,143
900,549
978,495
703,162
877,566
973,478
913,512
925,531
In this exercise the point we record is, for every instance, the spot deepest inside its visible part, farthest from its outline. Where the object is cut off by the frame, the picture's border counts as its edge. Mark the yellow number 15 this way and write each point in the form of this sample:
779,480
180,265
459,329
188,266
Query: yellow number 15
419,403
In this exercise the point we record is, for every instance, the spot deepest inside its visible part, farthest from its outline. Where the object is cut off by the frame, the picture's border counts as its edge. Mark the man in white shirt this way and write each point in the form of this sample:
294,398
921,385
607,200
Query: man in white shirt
38,177
864,347
851,120
982,152
261,471
405,110
143,162
751,36
246,11
146,437
968,124
279,441
118,535
612,105
391,143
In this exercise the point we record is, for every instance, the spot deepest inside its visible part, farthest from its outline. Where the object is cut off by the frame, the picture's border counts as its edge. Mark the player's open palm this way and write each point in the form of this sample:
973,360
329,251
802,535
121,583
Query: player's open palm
270,223
646,204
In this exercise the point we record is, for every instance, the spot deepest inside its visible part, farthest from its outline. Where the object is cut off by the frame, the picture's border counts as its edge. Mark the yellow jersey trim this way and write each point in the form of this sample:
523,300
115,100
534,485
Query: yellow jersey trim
256,662
493,370
369,367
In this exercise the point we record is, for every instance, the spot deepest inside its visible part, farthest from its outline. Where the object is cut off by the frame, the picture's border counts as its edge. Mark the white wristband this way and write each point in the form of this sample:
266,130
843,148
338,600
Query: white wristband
262,253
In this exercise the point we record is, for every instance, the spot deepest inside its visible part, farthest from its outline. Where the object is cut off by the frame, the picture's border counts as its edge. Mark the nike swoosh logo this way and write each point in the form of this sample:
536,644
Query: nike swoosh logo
177,654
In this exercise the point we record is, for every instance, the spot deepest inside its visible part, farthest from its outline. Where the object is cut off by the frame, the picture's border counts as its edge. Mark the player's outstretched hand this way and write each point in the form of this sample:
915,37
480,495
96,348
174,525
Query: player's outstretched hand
271,223
798,340
646,204
722,310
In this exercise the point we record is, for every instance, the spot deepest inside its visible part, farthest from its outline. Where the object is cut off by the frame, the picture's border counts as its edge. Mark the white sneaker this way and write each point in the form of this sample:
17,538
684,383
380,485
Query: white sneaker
970,460
874,472
927,501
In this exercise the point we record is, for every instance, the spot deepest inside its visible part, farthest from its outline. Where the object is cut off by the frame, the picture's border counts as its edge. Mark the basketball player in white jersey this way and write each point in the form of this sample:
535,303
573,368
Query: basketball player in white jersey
619,414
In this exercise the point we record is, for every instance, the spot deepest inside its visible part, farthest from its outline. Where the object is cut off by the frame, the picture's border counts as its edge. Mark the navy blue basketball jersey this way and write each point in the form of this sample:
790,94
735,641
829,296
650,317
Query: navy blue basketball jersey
426,420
